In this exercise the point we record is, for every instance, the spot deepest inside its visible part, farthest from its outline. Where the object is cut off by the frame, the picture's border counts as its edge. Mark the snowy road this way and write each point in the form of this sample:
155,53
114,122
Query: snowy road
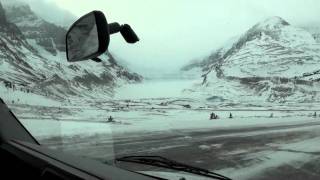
251,145
248,153
262,152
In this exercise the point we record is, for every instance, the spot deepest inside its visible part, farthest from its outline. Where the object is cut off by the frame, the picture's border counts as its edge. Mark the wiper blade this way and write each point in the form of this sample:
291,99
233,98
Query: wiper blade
159,161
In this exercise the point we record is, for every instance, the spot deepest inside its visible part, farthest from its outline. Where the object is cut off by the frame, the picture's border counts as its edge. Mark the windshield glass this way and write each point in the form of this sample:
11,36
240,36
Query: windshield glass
229,86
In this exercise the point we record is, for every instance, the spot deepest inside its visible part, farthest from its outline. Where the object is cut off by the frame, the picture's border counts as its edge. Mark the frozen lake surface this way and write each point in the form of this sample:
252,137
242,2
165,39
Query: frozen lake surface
154,89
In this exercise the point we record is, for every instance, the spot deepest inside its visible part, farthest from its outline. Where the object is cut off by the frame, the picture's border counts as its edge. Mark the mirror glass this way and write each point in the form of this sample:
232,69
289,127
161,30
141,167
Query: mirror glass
82,39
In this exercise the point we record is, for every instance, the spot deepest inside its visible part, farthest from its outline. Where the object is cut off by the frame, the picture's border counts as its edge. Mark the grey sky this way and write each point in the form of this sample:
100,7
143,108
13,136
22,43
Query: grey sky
173,32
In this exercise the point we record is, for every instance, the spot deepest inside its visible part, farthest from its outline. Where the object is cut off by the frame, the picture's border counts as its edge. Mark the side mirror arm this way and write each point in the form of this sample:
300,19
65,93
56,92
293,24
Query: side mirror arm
114,28
126,31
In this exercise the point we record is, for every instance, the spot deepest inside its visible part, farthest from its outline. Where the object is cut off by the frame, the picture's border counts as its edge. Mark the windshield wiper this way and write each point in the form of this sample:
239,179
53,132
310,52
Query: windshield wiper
159,161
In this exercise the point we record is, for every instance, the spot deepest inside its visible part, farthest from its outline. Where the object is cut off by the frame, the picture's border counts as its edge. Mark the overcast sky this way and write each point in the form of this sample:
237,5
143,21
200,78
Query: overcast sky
173,32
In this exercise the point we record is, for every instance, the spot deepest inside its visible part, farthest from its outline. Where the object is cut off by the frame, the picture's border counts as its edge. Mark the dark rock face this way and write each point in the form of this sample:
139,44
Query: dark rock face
11,43
3,19
47,35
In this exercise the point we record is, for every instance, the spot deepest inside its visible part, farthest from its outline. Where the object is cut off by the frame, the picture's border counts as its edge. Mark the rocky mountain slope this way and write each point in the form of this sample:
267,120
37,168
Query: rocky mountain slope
47,35
273,61
32,56
314,30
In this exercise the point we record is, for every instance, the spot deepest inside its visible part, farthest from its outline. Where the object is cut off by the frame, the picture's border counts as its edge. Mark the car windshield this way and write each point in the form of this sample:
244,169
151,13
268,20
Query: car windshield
231,86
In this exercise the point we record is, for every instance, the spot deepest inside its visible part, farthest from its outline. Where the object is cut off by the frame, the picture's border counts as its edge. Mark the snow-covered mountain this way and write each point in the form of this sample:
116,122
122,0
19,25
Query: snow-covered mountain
32,55
314,30
273,61
45,34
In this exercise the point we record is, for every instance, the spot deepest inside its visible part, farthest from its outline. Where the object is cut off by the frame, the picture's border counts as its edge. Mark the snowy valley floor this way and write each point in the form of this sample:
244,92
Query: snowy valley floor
251,145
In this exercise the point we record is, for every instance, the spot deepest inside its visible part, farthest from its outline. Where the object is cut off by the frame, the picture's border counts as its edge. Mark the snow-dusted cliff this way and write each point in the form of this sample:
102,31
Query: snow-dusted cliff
32,56
273,61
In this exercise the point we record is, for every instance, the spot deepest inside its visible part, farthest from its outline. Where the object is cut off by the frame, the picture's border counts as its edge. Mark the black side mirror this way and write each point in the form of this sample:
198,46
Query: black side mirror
88,37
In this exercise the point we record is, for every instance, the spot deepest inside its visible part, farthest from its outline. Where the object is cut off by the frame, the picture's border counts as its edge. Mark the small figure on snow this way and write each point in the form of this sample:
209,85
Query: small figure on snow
271,115
315,114
212,115
230,116
110,119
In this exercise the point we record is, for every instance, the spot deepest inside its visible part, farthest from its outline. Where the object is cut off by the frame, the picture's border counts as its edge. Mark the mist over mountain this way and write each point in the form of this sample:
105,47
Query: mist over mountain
272,62
33,57
45,9
48,35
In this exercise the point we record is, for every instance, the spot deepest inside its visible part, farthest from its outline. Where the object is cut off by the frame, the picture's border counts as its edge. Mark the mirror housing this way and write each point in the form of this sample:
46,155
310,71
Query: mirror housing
128,34
88,37
126,31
